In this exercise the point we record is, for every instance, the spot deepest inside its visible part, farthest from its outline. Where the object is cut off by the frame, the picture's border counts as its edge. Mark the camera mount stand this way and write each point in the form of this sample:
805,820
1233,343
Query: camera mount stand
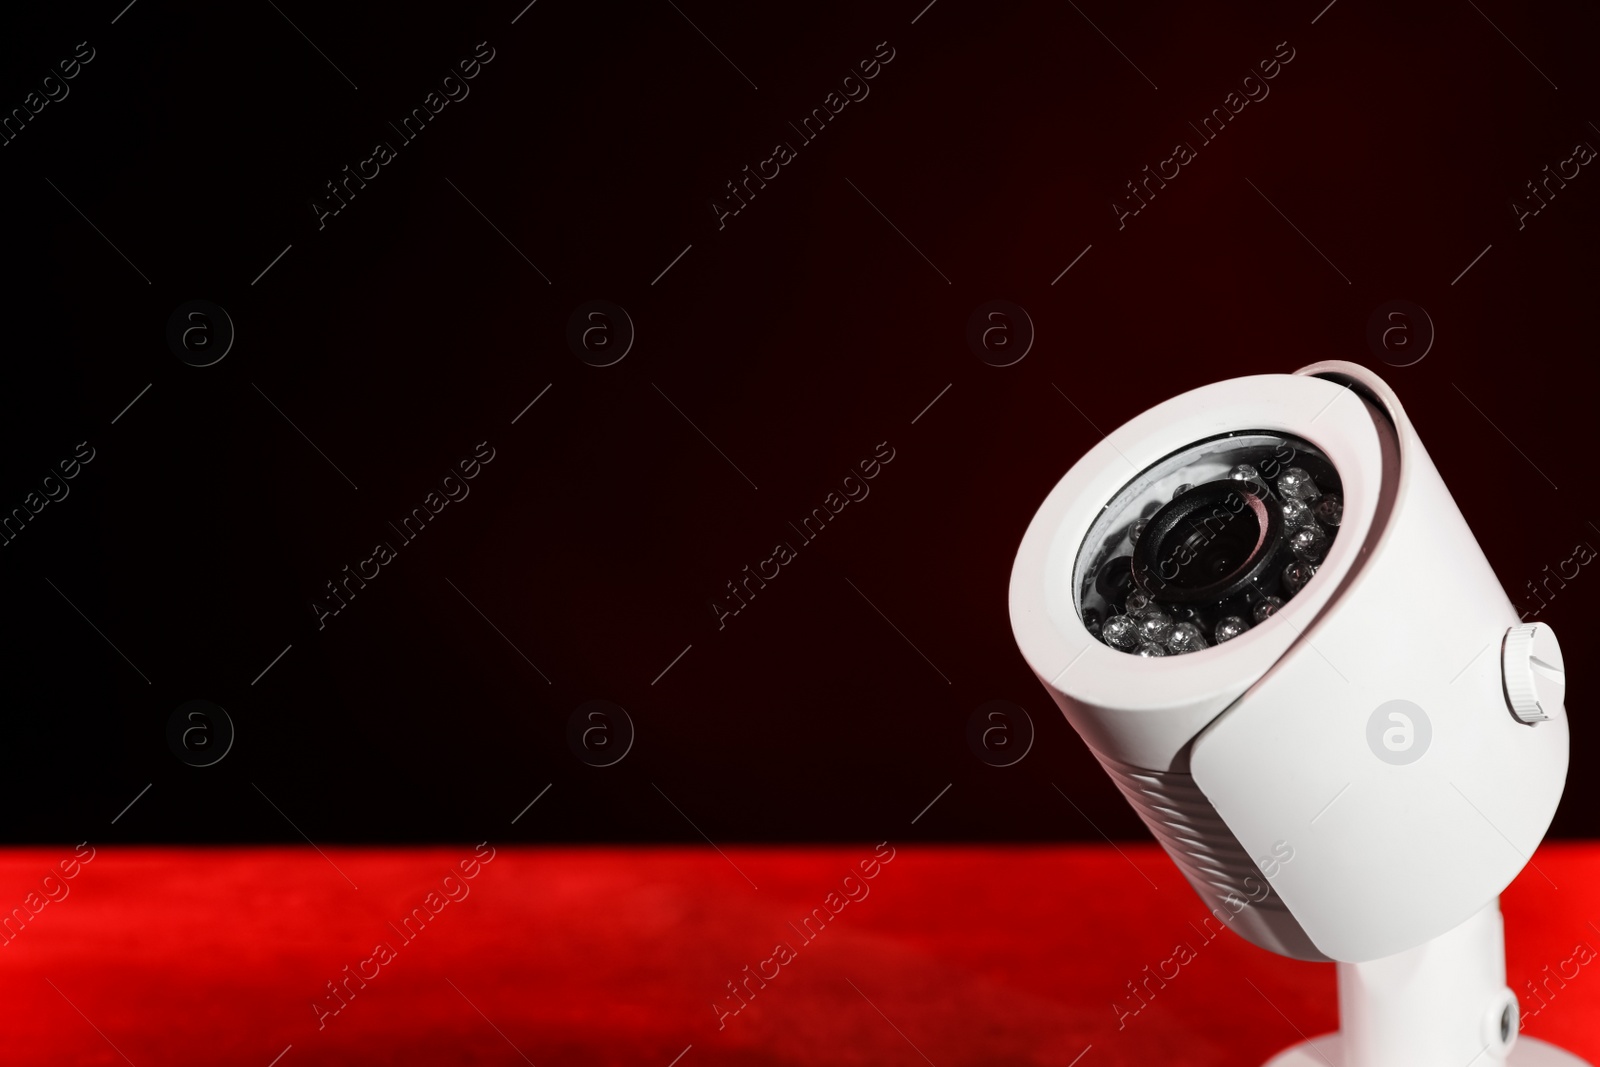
1442,1004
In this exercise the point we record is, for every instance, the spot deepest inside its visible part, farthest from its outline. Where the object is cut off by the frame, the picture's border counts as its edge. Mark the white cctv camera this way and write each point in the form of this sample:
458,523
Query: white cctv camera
1259,605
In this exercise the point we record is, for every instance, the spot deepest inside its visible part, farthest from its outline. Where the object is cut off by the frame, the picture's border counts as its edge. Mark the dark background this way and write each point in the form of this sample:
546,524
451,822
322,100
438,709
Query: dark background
797,338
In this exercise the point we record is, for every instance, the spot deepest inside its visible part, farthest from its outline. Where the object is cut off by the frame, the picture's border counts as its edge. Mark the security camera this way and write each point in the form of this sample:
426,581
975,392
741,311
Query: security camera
1261,608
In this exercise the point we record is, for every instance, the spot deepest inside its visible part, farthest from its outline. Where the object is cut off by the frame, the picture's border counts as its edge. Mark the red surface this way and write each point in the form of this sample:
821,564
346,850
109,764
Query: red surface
614,956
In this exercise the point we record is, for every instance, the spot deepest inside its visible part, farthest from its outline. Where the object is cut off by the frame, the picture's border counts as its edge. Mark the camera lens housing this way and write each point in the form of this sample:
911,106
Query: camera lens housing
1208,542
1211,544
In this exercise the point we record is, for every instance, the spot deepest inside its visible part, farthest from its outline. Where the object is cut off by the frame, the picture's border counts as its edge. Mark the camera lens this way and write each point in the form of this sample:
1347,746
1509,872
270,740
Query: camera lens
1209,544
1217,535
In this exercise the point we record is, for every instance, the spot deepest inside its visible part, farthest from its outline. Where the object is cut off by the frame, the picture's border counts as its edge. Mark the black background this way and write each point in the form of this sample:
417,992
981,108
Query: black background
797,338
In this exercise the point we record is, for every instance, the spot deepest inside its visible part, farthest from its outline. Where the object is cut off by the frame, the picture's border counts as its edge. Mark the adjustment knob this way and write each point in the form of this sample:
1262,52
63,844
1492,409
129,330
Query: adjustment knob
1535,680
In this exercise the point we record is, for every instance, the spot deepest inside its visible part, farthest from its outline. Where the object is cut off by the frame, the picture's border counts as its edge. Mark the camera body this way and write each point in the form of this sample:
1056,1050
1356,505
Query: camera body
1389,727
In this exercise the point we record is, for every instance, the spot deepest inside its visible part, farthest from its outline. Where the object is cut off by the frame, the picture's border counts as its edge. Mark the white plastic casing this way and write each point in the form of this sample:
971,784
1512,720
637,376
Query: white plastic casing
1270,731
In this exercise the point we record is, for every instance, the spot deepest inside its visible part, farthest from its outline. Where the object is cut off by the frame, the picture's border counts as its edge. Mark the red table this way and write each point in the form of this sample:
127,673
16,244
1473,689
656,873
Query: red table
951,955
